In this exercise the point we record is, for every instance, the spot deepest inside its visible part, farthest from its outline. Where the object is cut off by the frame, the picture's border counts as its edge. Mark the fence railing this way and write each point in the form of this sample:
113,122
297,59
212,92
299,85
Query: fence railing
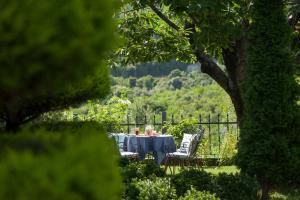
216,127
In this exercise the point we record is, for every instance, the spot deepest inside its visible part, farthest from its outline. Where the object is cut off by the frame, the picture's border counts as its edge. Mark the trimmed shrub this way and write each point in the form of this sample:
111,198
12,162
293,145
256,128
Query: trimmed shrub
137,171
58,50
140,170
235,187
225,186
59,165
124,161
269,137
156,189
200,180
201,195
130,172
151,169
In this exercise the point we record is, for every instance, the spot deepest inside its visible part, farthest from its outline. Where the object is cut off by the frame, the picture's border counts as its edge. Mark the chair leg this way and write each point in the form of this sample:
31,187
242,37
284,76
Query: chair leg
166,164
182,162
172,165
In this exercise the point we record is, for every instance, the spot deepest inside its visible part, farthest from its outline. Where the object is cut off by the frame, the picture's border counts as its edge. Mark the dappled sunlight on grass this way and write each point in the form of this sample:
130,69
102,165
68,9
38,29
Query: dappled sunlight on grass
214,170
286,195
222,169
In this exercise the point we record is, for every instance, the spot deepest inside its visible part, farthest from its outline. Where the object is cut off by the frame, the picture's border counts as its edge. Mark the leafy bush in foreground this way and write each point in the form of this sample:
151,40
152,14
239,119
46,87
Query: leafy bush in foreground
137,171
57,60
185,126
203,195
141,170
200,180
225,186
157,189
235,187
70,165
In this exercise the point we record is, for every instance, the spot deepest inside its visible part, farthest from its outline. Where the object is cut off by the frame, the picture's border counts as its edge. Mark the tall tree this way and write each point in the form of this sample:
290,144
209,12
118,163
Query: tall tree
213,33
52,55
269,95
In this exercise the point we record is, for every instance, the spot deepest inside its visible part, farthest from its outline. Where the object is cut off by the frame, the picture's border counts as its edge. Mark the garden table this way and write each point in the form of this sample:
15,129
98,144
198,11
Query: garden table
158,145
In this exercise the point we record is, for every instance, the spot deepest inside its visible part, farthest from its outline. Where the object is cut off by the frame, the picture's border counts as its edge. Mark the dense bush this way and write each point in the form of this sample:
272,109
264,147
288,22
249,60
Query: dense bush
52,55
140,170
176,73
235,187
59,165
147,82
175,83
228,149
132,171
108,115
201,195
227,187
200,180
269,139
185,126
156,189
153,69
57,126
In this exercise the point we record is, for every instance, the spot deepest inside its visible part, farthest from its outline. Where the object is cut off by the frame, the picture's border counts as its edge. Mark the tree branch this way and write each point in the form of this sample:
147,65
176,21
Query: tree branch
28,119
208,66
164,17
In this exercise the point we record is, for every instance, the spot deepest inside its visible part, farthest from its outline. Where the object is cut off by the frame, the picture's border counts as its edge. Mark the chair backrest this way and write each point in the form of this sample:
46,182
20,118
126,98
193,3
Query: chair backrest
195,143
186,143
190,143
119,139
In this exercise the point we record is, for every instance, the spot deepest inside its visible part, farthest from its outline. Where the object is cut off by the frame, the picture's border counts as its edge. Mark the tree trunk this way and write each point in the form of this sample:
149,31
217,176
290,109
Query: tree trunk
265,189
237,102
12,121
235,63
11,126
228,83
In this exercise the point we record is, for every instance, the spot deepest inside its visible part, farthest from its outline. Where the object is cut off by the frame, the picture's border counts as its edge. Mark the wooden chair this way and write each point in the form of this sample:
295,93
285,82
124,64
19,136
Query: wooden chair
119,138
185,155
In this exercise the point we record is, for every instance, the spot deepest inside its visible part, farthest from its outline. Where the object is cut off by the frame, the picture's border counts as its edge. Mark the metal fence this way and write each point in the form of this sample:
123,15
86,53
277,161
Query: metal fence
215,126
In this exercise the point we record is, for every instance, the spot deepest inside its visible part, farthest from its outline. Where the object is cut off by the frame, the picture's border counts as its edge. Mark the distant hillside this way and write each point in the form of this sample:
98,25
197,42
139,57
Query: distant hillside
153,69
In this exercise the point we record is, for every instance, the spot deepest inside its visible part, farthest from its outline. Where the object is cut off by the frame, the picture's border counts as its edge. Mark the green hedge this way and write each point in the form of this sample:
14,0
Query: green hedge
140,171
235,187
77,164
200,180
225,186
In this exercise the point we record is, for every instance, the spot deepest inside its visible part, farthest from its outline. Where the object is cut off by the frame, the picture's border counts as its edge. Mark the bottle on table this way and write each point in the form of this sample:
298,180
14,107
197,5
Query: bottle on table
137,131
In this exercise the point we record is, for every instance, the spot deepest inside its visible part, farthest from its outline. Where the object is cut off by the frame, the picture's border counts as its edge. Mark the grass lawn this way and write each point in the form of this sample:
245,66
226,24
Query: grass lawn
288,195
214,170
222,169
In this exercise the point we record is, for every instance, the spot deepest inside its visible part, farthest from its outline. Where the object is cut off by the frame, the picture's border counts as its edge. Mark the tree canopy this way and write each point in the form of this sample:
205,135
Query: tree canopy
214,33
52,55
